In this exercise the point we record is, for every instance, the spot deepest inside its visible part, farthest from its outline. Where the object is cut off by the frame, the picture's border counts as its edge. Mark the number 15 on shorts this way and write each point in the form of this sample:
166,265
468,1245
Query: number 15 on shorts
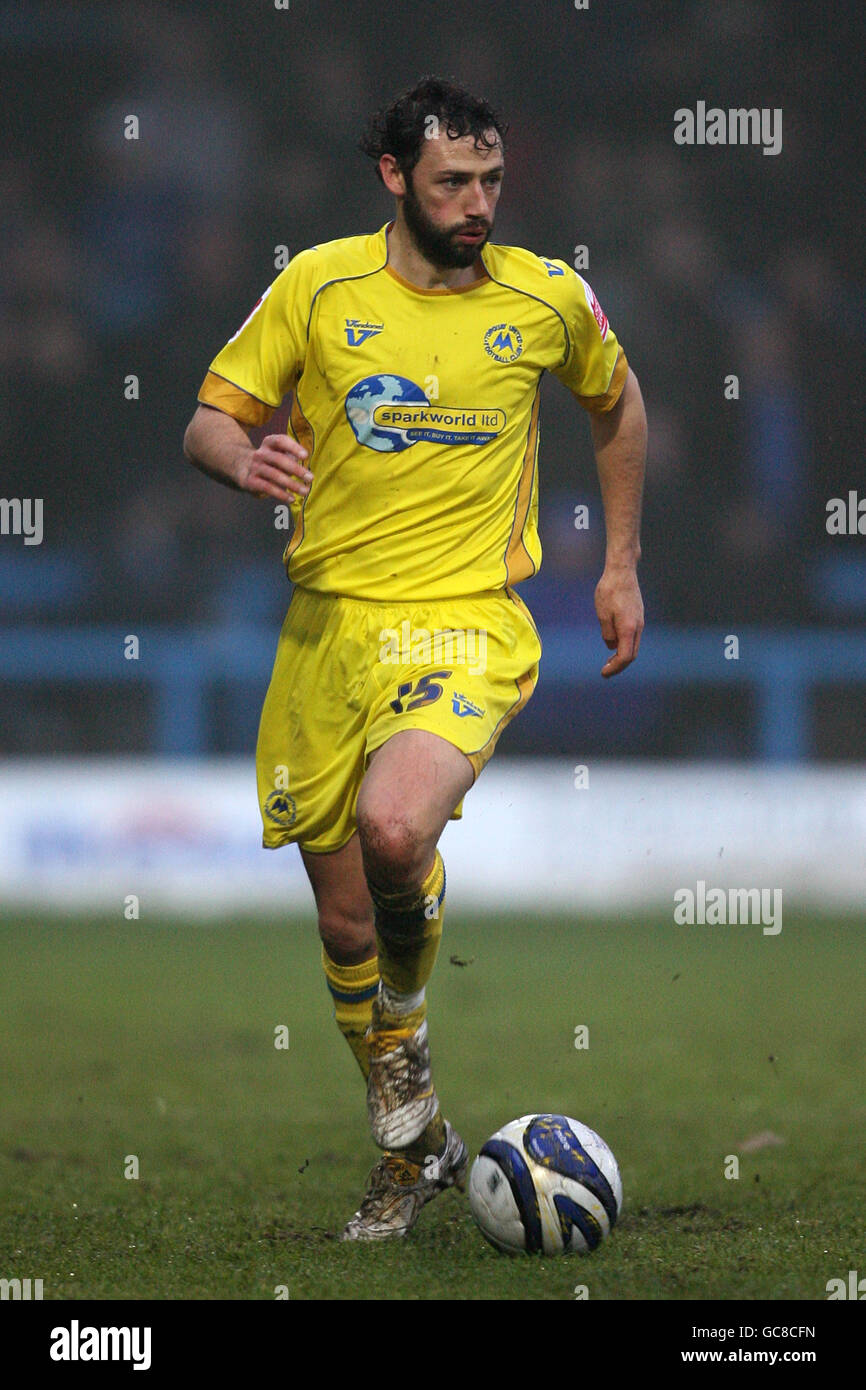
424,691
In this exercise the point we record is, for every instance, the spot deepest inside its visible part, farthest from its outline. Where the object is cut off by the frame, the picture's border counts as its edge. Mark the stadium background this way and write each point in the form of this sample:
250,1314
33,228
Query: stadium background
142,256
127,802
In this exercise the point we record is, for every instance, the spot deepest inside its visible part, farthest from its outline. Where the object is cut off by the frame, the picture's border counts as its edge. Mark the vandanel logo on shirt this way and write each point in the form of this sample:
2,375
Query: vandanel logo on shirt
391,413
359,330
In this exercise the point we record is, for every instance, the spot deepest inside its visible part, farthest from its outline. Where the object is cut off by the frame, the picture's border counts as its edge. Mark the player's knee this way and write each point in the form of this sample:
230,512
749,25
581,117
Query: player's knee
395,853
348,937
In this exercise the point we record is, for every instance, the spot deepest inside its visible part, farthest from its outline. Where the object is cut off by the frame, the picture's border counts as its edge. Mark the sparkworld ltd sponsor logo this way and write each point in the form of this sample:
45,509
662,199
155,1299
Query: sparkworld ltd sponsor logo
77,1343
736,126
409,646
729,907
391,413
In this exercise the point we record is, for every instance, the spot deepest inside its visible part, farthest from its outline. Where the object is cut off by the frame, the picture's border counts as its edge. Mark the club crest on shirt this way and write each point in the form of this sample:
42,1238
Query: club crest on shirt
503,342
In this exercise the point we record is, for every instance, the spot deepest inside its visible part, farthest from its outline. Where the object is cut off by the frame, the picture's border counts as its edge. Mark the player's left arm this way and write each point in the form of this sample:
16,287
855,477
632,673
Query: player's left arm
619,438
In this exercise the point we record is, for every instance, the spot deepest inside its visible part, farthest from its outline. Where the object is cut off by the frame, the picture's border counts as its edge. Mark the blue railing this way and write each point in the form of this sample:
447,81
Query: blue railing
182,666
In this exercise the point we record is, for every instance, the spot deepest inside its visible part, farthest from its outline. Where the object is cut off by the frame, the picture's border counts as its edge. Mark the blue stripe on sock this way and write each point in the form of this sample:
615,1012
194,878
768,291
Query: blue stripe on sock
355,997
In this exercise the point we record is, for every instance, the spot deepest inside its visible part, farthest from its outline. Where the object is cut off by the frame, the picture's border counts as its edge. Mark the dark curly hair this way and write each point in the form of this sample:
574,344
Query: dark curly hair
399,129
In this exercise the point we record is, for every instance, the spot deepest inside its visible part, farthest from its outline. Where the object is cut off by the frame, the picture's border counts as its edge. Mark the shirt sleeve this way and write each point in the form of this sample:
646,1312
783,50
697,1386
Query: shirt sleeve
596,368
263,360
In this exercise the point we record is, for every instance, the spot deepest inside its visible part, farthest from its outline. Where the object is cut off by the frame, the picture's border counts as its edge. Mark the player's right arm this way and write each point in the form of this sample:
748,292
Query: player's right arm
259,365
219,446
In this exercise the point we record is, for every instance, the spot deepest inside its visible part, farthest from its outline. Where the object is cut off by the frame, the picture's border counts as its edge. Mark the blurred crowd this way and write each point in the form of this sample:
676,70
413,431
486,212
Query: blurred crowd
138,258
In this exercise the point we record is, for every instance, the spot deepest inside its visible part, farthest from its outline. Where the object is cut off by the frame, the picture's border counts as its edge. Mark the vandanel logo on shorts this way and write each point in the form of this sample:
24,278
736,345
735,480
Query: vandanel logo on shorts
463,706
504,342
391,413
281,809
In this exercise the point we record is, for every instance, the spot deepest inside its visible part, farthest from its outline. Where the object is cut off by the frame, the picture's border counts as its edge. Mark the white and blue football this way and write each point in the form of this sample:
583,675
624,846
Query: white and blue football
545,1184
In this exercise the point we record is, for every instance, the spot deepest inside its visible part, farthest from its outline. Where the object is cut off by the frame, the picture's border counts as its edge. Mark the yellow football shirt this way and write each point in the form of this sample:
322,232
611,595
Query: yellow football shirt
419,410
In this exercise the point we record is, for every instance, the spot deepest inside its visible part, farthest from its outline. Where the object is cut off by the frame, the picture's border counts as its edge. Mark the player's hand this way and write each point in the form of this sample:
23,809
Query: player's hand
619,606
276,469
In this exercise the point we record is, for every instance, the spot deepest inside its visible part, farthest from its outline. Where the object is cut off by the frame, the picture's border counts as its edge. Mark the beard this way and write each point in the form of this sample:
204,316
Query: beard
441,248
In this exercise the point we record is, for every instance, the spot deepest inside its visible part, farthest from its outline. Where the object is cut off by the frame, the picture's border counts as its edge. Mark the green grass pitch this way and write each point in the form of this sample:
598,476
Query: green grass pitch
155,1039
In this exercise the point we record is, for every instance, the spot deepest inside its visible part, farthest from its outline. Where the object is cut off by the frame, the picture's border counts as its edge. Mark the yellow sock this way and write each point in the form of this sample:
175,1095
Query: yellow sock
353,988
408,933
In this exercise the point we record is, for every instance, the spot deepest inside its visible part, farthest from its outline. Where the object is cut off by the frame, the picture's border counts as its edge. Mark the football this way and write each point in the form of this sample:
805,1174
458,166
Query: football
545,1184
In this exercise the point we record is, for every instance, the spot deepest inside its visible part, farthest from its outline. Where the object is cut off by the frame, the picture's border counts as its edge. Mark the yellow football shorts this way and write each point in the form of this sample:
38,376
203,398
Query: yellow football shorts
349,673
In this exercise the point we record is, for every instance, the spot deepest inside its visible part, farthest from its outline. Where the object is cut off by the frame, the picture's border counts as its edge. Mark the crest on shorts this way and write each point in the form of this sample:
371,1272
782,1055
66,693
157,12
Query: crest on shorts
281,809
